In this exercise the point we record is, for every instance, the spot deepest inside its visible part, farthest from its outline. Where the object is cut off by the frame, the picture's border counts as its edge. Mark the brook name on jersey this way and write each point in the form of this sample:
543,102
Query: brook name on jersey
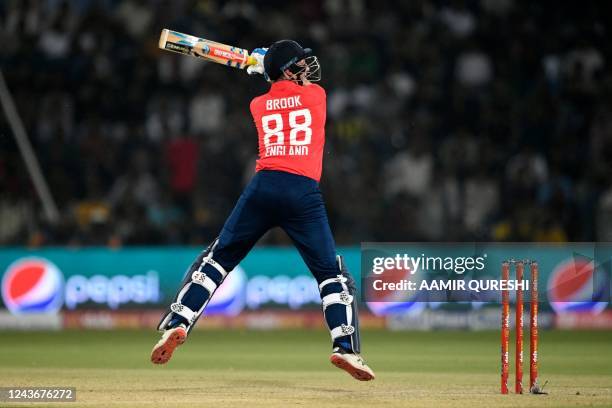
284,103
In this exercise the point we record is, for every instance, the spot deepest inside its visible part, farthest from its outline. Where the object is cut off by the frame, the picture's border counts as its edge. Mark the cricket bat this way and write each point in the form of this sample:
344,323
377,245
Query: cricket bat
206,49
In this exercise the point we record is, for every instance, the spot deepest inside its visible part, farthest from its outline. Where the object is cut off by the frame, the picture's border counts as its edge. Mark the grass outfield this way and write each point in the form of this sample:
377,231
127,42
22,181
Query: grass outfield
291,368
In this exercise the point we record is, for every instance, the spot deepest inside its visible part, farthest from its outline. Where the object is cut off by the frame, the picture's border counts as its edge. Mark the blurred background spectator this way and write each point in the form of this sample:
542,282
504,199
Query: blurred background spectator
458,120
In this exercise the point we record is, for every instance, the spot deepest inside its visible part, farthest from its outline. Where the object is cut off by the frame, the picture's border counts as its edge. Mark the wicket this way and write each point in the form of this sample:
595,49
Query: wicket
519,267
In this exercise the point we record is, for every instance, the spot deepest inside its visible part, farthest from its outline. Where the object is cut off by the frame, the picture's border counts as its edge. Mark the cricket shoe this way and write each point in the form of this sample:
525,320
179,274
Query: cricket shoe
351,363
171,339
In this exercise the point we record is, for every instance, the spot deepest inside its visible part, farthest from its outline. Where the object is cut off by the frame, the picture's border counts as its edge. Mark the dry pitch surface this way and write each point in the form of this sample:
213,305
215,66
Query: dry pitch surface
290,368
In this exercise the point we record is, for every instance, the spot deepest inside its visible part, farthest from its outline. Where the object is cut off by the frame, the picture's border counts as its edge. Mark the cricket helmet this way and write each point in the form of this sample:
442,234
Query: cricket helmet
285,55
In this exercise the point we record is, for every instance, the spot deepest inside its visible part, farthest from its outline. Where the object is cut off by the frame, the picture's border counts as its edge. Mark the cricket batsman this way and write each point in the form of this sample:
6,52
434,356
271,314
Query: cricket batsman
290,121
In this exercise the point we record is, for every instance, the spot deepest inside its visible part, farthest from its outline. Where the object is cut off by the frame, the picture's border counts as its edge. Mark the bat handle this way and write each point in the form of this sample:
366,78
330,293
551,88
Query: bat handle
163,38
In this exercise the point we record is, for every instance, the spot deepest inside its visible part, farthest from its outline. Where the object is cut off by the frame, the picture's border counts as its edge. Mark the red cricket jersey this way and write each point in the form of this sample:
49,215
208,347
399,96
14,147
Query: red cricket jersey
290,121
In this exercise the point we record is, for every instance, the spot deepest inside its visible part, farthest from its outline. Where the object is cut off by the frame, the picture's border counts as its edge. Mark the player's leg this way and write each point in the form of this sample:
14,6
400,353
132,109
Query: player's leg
246,224
309,229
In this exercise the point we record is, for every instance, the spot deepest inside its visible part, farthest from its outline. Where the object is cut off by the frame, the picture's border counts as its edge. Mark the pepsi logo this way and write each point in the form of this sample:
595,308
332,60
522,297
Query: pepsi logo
32,285
229,297
294,292
576,285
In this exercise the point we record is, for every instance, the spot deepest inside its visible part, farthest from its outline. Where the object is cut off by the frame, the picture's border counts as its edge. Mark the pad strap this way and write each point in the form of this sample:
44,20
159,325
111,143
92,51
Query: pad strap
337,279
203,280
343,298
183,311
216,265
343,330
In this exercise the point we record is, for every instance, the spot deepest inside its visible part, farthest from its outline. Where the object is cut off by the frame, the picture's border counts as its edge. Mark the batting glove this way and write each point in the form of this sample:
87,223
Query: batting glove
258,54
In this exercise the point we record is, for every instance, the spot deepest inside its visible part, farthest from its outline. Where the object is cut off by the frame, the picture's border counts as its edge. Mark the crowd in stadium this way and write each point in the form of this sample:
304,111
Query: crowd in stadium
447,120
